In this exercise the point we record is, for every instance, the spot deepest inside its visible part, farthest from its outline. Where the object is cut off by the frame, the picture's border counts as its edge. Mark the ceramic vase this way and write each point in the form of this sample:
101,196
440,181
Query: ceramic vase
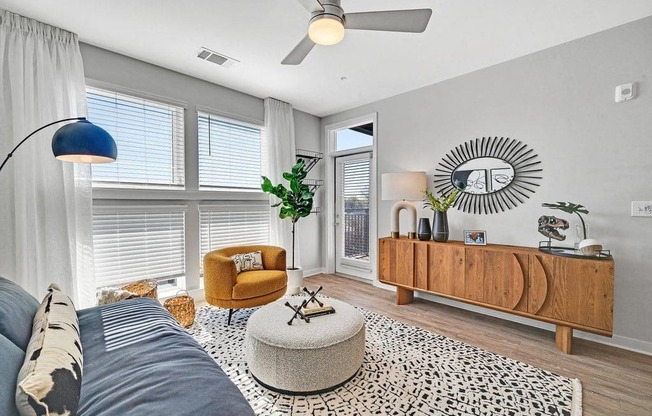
424,232
440,227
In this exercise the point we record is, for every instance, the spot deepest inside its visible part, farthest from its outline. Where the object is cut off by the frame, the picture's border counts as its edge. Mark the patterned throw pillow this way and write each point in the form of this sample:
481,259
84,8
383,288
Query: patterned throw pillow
49,381
248,261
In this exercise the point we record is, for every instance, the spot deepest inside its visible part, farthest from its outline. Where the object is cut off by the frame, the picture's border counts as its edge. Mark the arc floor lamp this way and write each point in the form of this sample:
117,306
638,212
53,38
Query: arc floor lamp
79,142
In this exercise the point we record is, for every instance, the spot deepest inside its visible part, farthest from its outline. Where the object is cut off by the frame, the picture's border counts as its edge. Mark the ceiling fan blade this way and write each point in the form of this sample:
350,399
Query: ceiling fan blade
312,5
299,52
414,21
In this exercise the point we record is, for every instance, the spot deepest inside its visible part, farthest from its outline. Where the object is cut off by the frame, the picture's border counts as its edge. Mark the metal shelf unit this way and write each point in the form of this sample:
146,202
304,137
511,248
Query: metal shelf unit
311,158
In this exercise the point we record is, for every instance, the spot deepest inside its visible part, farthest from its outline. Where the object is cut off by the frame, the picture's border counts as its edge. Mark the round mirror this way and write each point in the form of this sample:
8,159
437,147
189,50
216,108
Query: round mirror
493,174
483,175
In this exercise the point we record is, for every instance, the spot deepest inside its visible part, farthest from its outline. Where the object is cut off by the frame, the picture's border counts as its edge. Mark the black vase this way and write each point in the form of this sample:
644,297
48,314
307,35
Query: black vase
424,231
440,227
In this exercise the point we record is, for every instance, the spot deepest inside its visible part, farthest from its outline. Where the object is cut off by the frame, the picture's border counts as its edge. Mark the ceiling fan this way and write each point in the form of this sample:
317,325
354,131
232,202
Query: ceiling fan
328,23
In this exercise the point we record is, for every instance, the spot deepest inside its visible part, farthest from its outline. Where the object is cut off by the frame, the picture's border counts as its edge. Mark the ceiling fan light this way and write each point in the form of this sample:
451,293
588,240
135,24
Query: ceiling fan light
326,30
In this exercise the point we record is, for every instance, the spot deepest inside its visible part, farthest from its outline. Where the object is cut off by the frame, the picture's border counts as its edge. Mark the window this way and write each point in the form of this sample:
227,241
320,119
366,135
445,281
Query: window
229,153
133,243
149,135
359,136
233,225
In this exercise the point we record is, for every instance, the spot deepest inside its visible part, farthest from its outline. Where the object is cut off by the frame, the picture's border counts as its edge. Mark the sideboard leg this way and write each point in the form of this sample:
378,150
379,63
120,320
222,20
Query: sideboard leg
564,338
404,296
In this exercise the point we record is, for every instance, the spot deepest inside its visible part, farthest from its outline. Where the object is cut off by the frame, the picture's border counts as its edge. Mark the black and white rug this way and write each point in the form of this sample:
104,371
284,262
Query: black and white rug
406,371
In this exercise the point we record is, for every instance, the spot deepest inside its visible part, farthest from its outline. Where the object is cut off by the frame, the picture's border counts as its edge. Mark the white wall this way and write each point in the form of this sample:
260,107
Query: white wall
103,66
559,101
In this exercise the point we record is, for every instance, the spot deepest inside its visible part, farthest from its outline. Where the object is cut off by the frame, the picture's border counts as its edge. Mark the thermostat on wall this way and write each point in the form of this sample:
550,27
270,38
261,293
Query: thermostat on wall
625,92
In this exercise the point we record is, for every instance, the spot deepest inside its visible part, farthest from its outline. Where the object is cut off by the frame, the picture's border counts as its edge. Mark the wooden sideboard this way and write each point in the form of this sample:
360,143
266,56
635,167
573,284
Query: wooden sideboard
568,292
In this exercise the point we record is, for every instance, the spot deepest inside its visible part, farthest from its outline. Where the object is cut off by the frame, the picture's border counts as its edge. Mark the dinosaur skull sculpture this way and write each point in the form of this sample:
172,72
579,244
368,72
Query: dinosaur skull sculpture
550,226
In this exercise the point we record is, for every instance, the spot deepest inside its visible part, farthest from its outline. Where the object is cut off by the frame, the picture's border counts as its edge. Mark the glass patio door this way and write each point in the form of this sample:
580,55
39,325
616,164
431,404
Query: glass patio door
352,201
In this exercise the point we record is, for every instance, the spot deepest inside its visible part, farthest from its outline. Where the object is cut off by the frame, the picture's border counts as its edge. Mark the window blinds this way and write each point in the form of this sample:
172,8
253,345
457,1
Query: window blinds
355,176
229,153
232,226
149,135
138,242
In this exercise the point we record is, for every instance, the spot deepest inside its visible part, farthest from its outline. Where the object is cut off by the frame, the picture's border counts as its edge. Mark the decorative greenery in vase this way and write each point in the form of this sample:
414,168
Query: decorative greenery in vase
440,219
570,208
295,201
441,204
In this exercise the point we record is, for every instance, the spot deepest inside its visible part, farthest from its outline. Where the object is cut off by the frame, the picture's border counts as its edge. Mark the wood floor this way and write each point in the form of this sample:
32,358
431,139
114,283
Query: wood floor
615,381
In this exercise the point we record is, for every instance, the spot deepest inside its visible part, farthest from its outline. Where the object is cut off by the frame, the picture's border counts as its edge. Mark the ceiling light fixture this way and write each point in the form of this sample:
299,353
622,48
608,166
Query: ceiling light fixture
326,30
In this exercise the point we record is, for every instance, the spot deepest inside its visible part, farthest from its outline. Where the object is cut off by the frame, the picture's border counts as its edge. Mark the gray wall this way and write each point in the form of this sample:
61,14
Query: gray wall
307,135
559,101
127,73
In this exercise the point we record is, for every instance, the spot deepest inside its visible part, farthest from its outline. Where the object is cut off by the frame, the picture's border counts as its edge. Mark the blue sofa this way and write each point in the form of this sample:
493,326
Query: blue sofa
137,361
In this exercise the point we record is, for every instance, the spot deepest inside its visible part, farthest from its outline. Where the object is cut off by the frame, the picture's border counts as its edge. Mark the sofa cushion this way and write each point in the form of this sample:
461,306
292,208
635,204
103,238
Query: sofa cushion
49,381
248,261
140,362
258,283
17,310
12,359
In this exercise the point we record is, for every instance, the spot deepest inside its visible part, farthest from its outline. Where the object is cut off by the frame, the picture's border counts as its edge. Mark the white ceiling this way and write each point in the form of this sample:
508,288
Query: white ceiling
463,36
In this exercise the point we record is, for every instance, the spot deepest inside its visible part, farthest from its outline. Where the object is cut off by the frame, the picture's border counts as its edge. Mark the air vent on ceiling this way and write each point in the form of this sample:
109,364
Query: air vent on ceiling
216,58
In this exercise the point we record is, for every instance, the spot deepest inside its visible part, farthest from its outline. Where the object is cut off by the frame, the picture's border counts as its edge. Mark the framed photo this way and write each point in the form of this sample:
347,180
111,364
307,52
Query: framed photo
475,237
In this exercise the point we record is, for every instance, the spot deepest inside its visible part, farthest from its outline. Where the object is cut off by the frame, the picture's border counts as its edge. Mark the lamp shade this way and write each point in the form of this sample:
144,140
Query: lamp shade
403,185
84,142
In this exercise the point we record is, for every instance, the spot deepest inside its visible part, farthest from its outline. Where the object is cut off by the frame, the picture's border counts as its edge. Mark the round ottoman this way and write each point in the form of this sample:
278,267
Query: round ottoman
304,358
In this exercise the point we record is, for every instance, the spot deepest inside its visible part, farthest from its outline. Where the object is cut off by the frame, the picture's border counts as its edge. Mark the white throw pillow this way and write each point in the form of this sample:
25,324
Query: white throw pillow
248,261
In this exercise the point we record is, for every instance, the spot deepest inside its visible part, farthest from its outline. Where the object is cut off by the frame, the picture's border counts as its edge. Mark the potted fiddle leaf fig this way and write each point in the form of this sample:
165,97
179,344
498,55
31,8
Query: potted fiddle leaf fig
439,206
295,202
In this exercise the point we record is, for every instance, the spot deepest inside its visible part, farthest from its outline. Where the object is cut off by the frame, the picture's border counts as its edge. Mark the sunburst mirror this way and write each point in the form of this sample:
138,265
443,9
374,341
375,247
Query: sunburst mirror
492,174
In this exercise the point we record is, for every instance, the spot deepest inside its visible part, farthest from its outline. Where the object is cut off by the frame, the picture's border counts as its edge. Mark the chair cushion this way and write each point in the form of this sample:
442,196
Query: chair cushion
49,381
17,310
248,261
12,359
258,283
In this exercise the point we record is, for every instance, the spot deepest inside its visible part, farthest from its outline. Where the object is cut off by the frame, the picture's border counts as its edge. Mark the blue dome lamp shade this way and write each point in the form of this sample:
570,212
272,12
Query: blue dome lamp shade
84,142
80,142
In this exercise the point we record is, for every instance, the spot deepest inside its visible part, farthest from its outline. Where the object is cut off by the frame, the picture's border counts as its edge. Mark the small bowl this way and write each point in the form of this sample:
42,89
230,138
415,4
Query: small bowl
590,247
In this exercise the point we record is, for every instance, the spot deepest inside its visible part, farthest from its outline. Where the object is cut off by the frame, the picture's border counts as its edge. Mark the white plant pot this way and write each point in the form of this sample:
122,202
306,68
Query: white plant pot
295,281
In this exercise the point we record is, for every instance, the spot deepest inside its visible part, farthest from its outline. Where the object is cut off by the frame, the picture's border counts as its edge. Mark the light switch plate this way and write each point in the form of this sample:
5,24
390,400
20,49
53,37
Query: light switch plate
641,208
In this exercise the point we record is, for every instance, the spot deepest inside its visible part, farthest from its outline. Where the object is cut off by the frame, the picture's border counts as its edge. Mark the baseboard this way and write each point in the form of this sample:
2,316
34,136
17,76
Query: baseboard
617,341
197,294
312,272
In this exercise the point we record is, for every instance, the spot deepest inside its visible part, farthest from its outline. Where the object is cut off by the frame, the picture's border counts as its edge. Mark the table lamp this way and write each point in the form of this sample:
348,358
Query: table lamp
404,187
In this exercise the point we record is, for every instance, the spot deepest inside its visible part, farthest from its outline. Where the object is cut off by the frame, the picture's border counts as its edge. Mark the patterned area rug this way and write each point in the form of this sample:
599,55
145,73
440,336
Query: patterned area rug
406,371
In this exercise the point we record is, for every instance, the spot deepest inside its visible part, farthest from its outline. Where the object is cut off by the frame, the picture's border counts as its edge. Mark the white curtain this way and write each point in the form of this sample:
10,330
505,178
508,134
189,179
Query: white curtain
280,157
46,205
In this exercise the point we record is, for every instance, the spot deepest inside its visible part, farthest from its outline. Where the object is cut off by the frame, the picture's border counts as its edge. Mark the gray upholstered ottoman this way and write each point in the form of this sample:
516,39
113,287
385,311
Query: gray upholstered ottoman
304,358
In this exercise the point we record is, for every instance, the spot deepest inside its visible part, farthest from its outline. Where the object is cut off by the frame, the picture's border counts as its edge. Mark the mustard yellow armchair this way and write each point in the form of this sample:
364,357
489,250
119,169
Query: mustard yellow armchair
225,288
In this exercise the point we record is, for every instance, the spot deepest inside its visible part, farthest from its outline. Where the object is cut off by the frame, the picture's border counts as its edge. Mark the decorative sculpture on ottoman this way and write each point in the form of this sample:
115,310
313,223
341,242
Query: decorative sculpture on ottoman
297,312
